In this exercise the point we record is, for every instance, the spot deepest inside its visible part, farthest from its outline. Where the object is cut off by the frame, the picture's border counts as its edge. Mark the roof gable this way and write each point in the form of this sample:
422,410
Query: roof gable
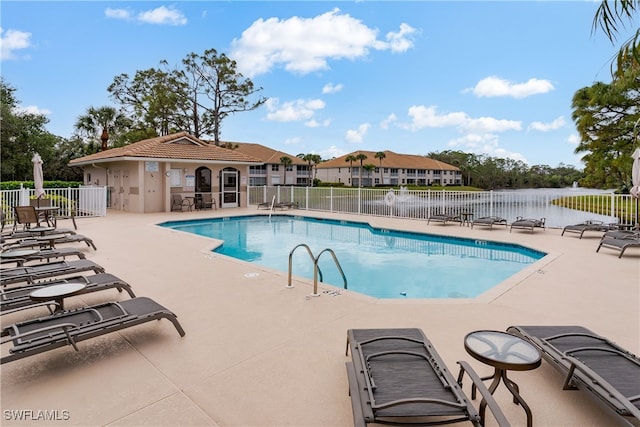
178,146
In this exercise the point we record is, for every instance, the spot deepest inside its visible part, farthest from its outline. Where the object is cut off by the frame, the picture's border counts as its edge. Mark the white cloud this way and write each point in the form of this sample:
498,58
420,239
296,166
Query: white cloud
428,117
487,144
292,141
304,45
315,124
332,152
573,139
400,42
117,14
386,122
11,41
293,110
161,15
546,127
31,109
356,136
331,88
494,86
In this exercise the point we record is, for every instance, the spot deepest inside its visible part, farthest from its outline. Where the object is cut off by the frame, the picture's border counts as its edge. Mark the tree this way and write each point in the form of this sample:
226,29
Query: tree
369,168
361,157
286,162
610,20
350,159
605,117
153,98
381,155
101,124
21,135
217,79
312,160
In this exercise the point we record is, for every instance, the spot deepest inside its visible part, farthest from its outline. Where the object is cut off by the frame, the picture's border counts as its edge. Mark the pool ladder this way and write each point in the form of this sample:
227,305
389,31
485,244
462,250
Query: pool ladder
316,269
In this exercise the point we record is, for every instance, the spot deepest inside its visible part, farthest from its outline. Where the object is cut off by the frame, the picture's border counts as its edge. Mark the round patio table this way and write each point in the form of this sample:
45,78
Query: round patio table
18,255
505,352
57,293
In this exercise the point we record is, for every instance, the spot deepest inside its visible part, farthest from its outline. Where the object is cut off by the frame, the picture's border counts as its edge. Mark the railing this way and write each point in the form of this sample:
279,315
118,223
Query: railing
559,207
316,268
77,202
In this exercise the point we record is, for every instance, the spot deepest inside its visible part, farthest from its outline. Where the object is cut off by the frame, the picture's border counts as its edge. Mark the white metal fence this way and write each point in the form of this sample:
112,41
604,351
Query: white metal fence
77,202
559,207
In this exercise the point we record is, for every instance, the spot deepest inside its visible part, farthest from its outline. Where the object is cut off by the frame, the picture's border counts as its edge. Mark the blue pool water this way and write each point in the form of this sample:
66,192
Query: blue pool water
377,262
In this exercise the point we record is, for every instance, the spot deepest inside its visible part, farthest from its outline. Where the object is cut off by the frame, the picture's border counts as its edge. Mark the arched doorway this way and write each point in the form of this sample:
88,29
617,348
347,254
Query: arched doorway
229,187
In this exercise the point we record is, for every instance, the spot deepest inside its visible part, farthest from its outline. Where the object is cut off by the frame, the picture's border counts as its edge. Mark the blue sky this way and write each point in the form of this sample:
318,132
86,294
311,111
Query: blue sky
493,78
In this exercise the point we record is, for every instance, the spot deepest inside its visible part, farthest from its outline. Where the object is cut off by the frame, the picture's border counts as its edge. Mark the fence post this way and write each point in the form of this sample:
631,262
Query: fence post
330,199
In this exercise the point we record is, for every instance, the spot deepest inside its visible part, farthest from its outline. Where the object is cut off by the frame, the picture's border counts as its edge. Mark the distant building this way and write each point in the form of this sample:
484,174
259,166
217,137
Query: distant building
397,169
272,171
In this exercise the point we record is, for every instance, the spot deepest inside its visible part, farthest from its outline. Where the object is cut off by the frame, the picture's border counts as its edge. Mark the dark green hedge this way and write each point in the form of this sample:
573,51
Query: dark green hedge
14,185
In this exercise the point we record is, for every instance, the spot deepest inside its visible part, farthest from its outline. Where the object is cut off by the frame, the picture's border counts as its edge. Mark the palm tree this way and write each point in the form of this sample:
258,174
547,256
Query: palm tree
611,20
103,121
362,157
312,160
286,162
369,168
380,155
350,158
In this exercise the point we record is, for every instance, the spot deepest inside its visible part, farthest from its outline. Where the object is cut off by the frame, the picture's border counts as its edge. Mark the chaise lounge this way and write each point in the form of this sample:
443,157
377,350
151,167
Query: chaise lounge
591,363
30,273
70,327
619,242
489,221
527,223
590,225
397,377
15,298
444,218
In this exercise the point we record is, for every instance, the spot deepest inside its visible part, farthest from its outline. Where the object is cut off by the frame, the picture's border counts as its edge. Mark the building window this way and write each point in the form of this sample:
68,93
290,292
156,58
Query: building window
275,168
175,177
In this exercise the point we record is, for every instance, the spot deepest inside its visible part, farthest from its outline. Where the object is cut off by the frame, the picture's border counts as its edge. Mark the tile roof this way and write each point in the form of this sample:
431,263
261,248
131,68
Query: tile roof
266,154
391,160
182,146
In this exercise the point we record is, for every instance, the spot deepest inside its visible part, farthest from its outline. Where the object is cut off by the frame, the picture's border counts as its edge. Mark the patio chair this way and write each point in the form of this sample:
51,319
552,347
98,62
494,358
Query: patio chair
208,202
591,363
489,221
30,273
527,223
444,218
25,216
73,326
590,225
620,243
178,203
15,298
396,376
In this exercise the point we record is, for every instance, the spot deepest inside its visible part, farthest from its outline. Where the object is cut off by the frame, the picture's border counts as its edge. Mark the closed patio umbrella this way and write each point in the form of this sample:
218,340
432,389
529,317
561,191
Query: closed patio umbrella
38,180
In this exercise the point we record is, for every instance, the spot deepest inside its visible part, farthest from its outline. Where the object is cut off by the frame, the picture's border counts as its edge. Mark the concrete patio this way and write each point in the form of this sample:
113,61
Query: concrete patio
258,354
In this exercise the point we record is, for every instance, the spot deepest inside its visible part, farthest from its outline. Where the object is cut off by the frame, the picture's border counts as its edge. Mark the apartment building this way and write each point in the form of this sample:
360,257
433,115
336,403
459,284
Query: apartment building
273,171
393,169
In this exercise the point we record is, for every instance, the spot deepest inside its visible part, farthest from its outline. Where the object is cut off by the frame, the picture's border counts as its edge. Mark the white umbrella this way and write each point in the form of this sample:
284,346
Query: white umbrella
38,180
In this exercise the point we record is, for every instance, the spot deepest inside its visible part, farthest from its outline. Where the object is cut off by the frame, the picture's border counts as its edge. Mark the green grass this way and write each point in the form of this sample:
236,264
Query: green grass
623,208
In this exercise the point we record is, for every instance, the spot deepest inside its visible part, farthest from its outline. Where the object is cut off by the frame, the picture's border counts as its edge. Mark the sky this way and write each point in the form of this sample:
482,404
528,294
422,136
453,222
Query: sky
491,78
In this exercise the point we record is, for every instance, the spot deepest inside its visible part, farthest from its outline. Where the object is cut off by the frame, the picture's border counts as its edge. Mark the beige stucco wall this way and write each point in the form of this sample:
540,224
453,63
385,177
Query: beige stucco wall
133,188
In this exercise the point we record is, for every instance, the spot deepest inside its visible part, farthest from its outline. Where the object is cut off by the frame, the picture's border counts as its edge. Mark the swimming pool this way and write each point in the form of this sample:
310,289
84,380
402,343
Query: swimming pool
378,262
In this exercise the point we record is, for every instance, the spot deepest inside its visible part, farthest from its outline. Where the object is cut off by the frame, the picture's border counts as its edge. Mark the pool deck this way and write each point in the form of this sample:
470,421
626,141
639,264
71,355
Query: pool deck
258,354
